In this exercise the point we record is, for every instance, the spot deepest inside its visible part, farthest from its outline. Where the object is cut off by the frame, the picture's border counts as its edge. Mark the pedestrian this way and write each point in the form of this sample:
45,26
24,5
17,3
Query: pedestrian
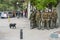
23,13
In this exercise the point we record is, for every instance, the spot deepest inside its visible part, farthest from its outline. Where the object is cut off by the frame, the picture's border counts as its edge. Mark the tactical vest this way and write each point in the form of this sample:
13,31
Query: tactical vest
54,15
38,16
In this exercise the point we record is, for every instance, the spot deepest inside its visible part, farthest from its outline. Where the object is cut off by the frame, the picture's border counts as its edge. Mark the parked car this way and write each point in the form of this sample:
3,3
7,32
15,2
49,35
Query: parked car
10,14
4,15
0,14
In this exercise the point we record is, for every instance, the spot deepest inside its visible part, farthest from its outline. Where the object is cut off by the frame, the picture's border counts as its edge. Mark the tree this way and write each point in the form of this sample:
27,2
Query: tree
41,4
9,4
4,5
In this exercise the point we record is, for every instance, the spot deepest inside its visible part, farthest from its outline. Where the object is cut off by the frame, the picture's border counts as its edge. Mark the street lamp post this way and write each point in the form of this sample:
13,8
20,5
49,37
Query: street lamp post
21,6
22,1
17,4
18,15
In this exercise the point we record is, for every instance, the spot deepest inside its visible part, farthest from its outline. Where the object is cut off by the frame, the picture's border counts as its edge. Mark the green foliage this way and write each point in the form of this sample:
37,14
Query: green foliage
9,5
3,7
41,4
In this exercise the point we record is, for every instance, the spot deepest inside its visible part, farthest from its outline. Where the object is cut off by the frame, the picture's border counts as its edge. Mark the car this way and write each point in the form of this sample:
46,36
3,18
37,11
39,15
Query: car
4,15
10,14
0,14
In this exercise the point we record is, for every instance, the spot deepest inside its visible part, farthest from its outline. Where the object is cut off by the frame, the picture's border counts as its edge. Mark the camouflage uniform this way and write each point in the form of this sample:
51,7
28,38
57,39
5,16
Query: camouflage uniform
45,20
49,19
54,19
38,19
32,20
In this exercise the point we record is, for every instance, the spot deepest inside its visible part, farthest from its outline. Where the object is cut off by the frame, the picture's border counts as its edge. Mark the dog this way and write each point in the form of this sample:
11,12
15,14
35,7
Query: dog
12,25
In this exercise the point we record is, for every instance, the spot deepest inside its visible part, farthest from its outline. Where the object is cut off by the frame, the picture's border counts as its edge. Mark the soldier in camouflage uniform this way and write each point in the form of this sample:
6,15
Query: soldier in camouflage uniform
49,19
38,19
32,20
45,20
54,18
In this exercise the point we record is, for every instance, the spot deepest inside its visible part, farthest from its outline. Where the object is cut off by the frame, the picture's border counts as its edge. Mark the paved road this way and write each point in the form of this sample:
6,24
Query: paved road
21,22
14,34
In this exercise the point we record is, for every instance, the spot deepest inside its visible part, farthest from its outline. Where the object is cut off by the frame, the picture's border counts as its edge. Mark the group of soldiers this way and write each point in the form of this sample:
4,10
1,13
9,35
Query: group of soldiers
44,20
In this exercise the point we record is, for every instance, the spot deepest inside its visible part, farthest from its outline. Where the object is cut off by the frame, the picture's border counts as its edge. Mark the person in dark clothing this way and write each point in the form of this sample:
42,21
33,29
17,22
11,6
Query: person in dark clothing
32,20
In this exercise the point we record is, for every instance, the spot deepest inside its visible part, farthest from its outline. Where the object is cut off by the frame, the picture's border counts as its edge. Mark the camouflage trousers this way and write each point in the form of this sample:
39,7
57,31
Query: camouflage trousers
32,24
54,23
38,24
49,23
46,24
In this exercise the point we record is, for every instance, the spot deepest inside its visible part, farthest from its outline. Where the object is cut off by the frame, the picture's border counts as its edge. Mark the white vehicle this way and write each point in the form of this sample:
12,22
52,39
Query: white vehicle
4,15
